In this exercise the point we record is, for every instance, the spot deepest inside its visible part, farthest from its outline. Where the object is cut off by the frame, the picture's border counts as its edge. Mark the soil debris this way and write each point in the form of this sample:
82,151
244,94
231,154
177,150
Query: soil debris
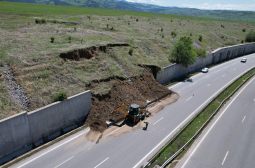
123,92
98,125
88,53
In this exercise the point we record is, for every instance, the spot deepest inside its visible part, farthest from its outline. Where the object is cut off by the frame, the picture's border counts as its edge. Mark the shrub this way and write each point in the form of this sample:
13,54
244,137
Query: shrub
200,38
54,21
222,26
112,28
88,17
242,41
107,26
162,29
163,36
37,21
190,34
222,37
200,52
43,21
70,39
173,34
250,37
60,96
52,39
130,52
244,30
137,20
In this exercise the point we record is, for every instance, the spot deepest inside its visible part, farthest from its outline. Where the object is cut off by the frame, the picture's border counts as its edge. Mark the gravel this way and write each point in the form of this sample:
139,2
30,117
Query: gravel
16,91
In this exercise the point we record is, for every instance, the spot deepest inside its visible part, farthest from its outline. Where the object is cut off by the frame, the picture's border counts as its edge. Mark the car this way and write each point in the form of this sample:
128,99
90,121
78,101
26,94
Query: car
205,70
243,59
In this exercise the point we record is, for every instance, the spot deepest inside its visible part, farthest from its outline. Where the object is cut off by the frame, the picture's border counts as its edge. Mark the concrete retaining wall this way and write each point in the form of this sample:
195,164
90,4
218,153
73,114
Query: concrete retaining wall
175,71
21,132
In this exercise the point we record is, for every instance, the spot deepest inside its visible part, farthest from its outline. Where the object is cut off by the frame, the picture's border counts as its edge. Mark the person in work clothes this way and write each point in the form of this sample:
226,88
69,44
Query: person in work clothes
146,125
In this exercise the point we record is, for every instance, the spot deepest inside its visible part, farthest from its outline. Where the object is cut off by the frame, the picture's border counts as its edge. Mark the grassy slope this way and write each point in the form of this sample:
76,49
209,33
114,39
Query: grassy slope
36,64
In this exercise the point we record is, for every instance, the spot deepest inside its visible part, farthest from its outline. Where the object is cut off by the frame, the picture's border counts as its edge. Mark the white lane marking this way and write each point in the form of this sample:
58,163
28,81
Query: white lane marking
213,125
223,75
184,122
206,77
53,149
243,119
193,84
174,85
189,98
113,132
158,121
101,162
154,107
217,71
181,91
208,85
64,162
224,158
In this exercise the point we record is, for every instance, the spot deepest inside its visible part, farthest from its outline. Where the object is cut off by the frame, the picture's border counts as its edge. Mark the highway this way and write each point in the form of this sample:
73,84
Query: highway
228,141
135,147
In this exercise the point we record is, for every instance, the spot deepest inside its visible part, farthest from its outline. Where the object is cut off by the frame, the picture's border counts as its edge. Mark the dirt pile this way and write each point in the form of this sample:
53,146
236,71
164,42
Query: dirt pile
103,106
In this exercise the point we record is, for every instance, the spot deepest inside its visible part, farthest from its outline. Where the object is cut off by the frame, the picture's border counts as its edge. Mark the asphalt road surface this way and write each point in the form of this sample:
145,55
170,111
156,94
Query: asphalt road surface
134,148
228,141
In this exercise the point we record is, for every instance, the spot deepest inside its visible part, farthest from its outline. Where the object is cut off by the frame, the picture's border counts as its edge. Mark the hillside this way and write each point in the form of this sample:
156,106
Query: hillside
91,49
124,5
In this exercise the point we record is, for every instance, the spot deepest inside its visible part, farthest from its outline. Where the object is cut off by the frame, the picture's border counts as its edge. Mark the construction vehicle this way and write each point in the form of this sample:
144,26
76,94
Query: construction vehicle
135,113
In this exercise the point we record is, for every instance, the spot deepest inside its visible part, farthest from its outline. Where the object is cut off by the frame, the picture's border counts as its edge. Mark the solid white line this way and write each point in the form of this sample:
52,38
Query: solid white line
208,85
158,121
174,85
64,162
53,149
205,77
214,125
101,162
193,84
224,158
223,75
179,91
217,71
243,119
189,98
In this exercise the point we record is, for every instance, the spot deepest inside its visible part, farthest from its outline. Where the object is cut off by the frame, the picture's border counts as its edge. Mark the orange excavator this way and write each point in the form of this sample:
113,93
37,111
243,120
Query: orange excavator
135,113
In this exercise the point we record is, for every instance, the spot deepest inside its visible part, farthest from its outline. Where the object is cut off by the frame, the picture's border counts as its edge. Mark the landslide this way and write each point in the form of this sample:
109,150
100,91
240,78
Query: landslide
141,89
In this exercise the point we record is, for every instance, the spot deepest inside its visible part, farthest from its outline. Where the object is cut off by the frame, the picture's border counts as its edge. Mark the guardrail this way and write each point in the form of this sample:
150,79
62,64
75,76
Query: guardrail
202,127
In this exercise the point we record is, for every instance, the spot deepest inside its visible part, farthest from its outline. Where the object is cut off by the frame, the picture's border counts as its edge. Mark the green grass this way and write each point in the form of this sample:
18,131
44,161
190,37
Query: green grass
198,121
35,62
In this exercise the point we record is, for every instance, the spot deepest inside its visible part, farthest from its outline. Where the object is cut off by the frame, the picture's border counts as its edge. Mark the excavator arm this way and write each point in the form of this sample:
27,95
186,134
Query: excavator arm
123,107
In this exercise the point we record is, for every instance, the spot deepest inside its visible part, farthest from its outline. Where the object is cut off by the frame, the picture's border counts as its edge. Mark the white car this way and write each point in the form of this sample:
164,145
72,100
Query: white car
244,60
205,70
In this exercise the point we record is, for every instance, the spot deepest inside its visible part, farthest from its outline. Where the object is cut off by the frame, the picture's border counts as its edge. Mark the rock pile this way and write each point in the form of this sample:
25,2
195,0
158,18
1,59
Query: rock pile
17,92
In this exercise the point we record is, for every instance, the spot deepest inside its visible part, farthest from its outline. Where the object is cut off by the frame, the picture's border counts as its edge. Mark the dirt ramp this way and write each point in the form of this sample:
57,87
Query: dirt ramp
94,136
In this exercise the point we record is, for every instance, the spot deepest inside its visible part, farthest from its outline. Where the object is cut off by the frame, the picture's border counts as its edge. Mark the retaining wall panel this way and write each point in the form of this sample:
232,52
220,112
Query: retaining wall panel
14,133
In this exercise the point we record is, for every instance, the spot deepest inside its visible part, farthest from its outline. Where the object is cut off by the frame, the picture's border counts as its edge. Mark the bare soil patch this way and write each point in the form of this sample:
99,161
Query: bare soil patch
144,88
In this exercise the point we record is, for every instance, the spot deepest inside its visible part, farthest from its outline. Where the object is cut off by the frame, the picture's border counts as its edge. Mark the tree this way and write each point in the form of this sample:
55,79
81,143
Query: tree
183,52
250,37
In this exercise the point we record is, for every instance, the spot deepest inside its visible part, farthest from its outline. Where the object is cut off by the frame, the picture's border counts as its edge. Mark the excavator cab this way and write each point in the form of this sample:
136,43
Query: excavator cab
134,110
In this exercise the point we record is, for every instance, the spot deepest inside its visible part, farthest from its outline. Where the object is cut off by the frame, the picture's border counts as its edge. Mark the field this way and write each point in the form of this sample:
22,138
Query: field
34,59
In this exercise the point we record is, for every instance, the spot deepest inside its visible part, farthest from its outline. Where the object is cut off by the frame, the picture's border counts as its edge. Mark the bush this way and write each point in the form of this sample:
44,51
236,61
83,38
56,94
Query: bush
244,30
37,21
222,26
190,34
43,21
250,37
69,39
60,96
200,52
54,21
173,34
130,52
200,38
107,26
52,39
162,29
163,36
112,28
222,37
137,20
242,41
